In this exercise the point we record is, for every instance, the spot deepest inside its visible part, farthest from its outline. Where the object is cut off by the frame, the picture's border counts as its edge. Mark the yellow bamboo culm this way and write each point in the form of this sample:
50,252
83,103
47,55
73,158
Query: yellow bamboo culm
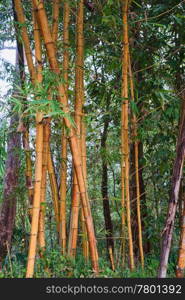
38,165
41,232
28,172
54,29
111,258
63,172
181,255
25,38
85,243
63,191
54,187
36,199
134,122
73,234
125,135
36,78
54,65
38,62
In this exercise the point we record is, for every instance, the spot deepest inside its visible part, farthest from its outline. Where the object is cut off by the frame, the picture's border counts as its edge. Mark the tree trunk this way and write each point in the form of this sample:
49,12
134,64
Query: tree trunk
174,194
105,196
10,194
63,171
125,172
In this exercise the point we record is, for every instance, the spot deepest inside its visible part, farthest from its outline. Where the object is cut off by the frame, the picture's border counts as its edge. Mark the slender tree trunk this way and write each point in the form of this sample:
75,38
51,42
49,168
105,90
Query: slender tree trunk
85,243
54,187
29,182
105,197
10,194
63,191
181,254
24,125
45,138
174,194
136,169
54,29
125,137
12,166
38,209
146,242
63,180
41,231
79,99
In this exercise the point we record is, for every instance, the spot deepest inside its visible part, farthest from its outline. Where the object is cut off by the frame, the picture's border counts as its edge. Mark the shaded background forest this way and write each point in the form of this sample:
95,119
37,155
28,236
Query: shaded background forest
156,41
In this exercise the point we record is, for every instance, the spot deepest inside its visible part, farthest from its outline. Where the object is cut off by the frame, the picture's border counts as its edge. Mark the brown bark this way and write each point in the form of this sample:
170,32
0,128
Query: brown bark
12,166
10,194
173,198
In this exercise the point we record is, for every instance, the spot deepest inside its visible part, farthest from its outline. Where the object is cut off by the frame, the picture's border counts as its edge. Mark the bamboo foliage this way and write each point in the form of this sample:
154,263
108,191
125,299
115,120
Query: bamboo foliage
125,136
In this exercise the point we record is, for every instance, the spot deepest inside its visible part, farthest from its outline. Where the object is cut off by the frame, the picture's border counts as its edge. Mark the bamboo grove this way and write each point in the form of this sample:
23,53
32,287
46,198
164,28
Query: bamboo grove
52,42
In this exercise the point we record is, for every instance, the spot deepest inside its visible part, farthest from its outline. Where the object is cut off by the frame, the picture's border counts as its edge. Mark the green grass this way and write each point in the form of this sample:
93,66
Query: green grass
54,265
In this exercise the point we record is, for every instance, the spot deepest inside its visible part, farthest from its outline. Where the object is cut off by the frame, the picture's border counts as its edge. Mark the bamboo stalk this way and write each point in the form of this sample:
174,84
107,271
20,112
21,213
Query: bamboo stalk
85,243
54,29
25,38
134,122
63,181
125,135
41,232
38,61
38,163
36,200
73,234
63,190
181,255
181,252
29,182
54,187
35,78
50,49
